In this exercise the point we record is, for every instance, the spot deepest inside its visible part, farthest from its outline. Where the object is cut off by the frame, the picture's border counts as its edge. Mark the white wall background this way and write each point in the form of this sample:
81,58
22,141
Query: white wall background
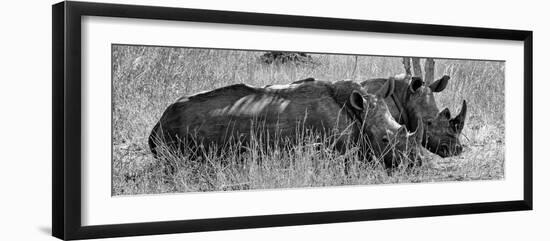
25,104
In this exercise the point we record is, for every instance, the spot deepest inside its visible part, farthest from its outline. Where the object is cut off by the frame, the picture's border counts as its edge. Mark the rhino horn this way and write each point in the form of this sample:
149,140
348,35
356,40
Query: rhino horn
458,121
419,132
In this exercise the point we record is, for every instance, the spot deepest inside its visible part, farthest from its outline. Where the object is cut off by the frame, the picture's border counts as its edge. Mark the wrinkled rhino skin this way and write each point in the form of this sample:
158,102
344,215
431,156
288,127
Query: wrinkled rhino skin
342,111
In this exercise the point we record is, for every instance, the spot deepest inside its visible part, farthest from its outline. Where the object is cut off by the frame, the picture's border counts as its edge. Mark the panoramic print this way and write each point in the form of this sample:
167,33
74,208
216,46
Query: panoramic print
202,120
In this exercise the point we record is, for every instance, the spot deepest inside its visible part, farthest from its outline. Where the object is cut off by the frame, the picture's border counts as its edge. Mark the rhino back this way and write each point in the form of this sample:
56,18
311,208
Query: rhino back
234,112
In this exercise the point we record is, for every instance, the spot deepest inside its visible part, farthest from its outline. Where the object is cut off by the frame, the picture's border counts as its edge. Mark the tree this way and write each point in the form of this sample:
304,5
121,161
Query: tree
429,70
407,65
417,67
429,64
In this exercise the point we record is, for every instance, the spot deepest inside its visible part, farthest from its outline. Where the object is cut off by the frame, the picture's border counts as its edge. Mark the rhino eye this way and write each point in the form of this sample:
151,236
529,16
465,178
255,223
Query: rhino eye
429,123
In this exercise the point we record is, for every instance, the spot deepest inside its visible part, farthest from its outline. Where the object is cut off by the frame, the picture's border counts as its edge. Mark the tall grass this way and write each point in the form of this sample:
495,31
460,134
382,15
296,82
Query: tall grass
147,79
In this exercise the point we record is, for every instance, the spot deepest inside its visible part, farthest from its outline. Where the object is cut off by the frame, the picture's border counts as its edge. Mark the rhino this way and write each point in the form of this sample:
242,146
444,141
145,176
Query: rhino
413,101
342,111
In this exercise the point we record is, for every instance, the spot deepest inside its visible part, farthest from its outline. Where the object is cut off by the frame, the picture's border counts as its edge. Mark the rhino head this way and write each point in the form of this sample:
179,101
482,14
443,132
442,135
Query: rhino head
441,132
390,141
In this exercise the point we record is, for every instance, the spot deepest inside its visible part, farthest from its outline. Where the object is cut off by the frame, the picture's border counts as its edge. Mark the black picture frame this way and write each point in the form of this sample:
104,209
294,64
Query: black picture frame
67,135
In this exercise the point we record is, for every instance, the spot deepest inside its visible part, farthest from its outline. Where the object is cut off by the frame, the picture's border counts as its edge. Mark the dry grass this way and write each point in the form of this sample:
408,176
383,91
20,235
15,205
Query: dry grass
147,79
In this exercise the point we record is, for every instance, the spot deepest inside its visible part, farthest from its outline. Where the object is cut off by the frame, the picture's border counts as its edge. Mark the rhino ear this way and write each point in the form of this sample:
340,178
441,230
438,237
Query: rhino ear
440,84
356,100
387,89
416,82
445,113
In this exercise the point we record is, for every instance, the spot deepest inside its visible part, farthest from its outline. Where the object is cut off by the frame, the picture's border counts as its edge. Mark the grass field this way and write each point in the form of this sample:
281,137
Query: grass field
147,79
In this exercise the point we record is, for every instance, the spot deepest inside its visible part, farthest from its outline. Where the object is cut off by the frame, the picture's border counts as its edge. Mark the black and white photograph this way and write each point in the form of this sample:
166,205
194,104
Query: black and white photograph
274,120
209,120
